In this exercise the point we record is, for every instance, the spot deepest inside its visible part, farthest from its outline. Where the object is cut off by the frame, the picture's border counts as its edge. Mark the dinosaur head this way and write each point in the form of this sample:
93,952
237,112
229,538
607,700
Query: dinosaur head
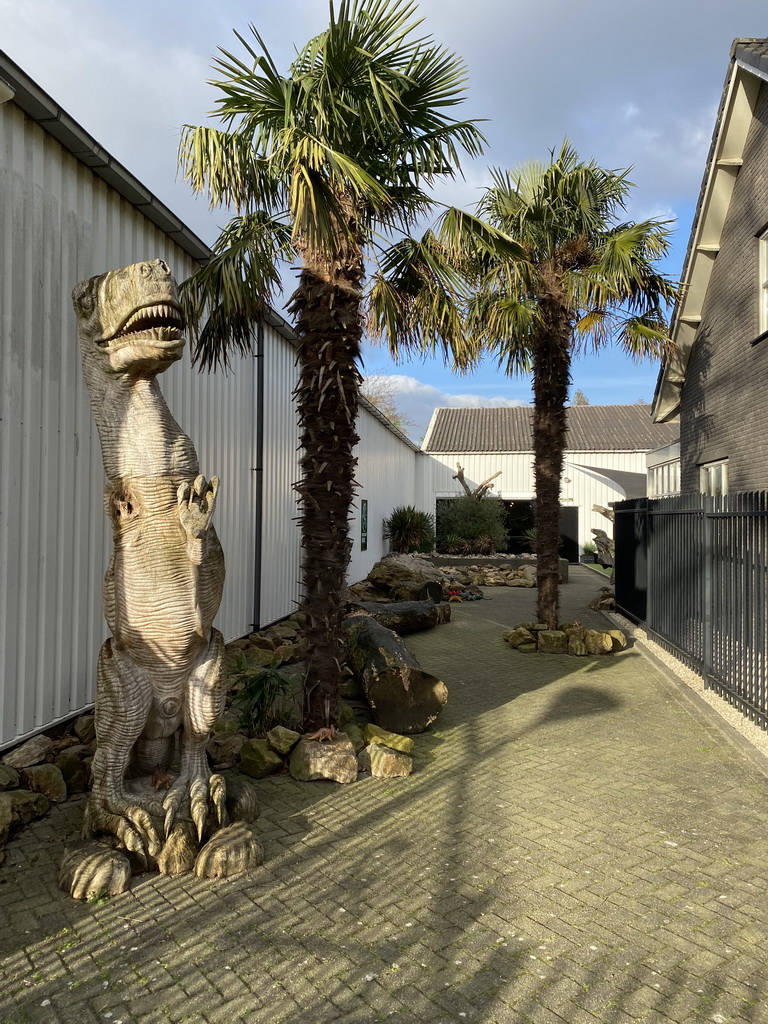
130,320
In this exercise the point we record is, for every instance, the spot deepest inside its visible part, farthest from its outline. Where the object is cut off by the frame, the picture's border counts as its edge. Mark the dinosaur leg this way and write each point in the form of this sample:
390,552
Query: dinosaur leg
123,700
204,704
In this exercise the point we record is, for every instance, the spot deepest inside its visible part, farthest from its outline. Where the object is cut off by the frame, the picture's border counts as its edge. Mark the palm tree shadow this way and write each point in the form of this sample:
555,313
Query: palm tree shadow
574,702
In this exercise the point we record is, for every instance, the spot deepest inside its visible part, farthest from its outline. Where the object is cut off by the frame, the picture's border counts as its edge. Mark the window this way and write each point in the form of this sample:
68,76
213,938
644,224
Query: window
762,319
713,478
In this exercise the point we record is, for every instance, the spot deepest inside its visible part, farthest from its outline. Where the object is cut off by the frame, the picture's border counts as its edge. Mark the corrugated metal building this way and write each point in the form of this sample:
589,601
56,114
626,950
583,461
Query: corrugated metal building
67,211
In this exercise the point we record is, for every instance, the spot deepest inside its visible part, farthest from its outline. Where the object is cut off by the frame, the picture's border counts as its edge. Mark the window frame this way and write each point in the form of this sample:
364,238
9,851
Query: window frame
708,474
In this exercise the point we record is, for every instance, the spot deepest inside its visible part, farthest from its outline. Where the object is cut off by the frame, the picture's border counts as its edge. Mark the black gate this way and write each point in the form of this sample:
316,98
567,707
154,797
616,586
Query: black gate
694,570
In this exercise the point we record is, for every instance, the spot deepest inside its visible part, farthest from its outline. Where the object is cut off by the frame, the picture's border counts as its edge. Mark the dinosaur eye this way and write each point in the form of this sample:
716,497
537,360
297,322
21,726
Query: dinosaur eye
86,303
145,270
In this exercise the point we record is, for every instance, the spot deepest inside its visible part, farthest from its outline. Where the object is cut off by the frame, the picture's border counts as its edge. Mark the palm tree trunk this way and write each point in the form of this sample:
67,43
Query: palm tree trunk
551,377
327,304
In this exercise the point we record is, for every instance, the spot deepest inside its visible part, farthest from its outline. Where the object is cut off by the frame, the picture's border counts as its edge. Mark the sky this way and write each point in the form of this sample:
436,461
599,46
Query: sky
631,85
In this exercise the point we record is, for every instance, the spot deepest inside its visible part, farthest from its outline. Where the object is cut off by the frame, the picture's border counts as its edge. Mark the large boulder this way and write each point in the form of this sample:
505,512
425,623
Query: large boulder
404,698
404,616
46,779
392,569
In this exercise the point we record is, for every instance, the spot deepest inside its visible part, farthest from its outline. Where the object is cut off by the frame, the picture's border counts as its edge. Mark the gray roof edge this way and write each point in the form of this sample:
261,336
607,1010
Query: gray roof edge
43,109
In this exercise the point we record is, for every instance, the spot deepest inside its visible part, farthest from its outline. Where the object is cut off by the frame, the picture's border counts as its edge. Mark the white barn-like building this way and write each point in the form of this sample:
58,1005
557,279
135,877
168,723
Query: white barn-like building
605,459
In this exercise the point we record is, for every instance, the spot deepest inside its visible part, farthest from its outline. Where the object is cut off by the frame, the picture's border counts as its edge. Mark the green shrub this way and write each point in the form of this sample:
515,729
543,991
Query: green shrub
410,529
479,524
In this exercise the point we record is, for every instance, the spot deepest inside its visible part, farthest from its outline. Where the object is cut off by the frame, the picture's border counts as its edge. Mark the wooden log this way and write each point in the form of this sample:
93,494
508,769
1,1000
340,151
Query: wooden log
403,616
404,698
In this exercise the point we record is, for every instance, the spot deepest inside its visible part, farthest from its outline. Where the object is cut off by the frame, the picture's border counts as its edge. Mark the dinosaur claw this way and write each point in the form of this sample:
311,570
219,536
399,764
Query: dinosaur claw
198,805
218,792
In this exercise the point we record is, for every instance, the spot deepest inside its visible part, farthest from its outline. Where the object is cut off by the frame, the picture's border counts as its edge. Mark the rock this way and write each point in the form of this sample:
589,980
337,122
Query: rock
373,734
34,751
331,759
73,770
224,749
405,699
257,641
90,869
46,779
416,590
286,631
576,647
232,851
6,820
228,722
355,734
9,778
619,639
384,763
365,591
603,601
528,648
85,728
552,641
394,568
404,616
242,797
598,642
443,613
288,653
258,759
261,657
23,806
283,740
519,635
64,743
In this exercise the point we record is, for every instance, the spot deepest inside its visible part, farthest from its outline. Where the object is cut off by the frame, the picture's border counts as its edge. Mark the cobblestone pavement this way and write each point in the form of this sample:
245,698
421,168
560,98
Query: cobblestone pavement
580,843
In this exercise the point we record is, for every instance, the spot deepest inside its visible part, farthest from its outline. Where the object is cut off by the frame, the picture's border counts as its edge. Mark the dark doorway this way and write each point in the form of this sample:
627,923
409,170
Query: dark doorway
520,520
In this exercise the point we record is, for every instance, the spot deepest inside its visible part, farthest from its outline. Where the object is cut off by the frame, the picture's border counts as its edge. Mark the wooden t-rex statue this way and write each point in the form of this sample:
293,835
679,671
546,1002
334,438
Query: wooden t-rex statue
161,673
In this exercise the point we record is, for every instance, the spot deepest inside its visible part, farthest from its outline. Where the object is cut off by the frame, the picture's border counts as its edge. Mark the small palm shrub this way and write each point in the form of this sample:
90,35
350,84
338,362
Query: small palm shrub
410,529
263,697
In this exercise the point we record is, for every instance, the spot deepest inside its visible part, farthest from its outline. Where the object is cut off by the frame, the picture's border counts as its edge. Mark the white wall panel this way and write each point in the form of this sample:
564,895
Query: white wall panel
387,477
59,224
280,573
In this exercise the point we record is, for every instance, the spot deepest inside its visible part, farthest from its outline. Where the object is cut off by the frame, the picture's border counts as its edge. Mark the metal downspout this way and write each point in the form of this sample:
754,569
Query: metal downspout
259,471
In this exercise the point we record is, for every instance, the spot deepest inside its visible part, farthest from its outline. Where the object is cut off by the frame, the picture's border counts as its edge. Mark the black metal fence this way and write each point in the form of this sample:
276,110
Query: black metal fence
694,570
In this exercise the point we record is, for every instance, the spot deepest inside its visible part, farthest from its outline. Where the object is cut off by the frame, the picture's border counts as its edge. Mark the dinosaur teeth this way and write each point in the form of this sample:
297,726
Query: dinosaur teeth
162,322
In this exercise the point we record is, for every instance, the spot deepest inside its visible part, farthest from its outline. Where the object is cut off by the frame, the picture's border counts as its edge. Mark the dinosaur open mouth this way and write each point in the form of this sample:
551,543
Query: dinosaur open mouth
162,322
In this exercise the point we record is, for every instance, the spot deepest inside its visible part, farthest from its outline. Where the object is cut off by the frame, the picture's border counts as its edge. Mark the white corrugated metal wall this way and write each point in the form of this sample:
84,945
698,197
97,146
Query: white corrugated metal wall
583,489
387,477
59,224
280,469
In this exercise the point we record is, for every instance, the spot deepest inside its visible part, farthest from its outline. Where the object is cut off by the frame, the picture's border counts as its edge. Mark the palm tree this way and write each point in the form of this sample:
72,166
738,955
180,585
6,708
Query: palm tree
588,278
323,166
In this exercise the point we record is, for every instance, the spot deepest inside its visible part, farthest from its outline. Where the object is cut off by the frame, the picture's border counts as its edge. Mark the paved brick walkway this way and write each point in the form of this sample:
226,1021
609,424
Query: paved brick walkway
579,844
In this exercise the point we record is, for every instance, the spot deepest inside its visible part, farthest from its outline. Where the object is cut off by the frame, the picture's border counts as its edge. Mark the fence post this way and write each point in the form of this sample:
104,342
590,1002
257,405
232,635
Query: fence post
706,583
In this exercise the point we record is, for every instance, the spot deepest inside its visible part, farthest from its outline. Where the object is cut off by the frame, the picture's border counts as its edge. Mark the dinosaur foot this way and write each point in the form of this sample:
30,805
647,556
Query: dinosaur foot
132,825
205,798
234,850
90,870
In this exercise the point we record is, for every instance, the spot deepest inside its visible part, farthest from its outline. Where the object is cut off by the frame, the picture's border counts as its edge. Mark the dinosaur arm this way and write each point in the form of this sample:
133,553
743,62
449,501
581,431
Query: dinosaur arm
197,502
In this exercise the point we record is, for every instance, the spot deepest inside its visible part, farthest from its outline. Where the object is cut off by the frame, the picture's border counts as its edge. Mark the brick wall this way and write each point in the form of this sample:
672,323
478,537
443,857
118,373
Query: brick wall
724,412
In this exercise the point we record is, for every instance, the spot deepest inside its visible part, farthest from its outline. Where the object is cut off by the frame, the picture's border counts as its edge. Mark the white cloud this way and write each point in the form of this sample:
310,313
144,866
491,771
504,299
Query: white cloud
417,400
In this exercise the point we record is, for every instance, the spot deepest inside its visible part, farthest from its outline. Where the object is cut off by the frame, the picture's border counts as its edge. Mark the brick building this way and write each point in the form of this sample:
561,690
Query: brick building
716,384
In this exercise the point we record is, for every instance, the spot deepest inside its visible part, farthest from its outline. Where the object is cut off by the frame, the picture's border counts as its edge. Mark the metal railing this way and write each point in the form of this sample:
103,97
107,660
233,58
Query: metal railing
694,570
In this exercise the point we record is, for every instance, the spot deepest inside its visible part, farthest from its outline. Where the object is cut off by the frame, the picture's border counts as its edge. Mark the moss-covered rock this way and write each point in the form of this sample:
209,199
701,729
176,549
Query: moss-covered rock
46,779
374,734
258,759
